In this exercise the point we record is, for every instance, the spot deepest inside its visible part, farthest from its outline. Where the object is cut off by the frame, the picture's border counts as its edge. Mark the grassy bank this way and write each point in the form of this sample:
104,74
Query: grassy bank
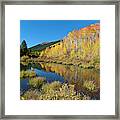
25,60
65,61
41,90
52,91
27,74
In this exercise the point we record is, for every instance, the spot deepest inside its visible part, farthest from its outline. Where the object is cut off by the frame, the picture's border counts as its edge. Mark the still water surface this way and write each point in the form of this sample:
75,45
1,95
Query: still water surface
65,74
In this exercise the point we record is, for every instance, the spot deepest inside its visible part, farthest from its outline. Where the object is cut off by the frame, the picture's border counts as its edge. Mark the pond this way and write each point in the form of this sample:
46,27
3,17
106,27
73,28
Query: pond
83,79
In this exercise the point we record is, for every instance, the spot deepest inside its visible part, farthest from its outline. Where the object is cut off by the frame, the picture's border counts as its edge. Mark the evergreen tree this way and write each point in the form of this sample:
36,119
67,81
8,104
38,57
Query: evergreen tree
23,48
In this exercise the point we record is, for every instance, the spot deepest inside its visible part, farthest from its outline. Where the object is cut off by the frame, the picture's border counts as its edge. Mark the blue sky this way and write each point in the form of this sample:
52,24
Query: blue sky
39,31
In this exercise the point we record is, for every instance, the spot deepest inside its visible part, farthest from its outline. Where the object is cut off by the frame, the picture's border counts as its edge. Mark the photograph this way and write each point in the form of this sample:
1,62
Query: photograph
59,59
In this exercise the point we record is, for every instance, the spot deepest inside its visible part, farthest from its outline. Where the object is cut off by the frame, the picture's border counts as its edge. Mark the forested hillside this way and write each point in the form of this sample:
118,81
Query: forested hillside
79,47
40,47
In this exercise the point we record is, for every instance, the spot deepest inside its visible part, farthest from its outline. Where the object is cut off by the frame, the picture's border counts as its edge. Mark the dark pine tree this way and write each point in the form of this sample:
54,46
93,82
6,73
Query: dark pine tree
23,48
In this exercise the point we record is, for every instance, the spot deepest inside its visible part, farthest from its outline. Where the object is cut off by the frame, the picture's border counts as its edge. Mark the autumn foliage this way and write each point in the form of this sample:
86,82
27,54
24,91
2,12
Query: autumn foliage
79,47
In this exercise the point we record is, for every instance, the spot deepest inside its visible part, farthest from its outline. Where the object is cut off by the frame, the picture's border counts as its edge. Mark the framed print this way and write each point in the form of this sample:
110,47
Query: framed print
60,59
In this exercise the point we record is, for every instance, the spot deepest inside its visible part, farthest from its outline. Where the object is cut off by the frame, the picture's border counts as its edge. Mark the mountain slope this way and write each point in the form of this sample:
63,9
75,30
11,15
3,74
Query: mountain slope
40,47
79,47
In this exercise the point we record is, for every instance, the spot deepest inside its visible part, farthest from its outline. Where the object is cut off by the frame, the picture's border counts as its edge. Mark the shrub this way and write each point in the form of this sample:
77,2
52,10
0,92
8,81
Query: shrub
31,74
53,91
24,58
37,82
57,91
30,95
53,86
89,85
27,74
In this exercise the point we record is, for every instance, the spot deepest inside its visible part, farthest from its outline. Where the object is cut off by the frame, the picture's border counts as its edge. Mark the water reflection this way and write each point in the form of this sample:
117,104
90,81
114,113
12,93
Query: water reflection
72,74
86,81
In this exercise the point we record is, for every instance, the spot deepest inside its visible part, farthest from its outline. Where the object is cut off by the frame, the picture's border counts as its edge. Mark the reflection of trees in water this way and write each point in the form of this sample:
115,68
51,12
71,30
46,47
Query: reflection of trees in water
86,81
